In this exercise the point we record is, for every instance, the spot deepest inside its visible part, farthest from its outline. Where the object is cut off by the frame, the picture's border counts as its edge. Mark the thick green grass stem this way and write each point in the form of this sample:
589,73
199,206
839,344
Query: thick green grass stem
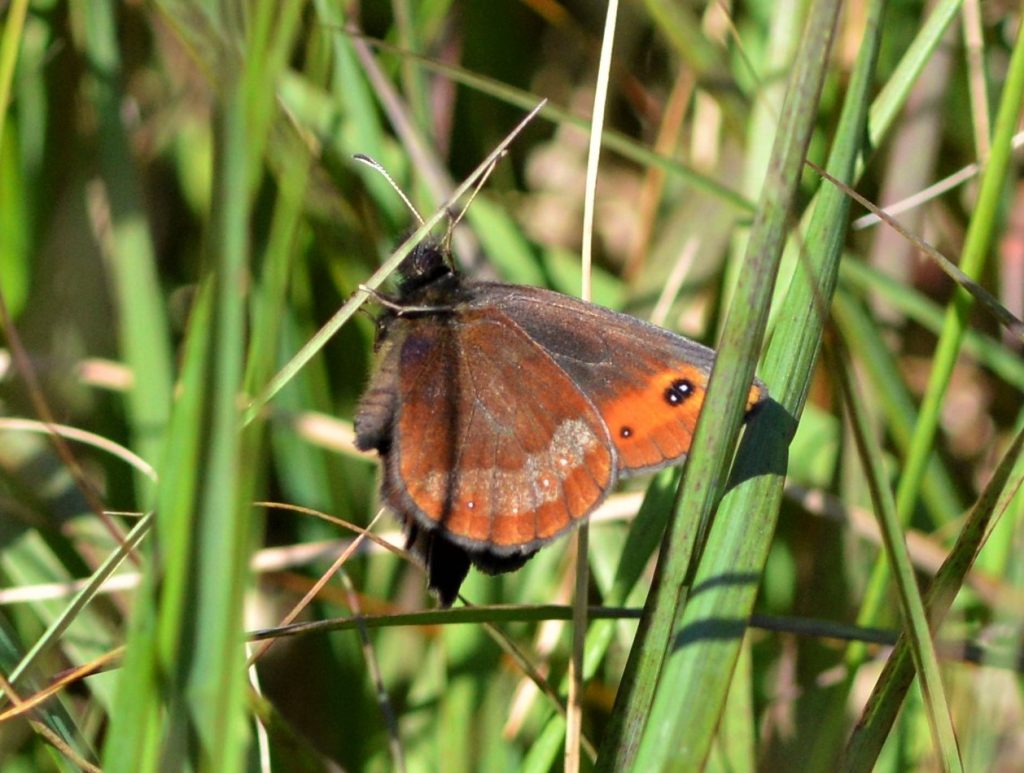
724,588
673,736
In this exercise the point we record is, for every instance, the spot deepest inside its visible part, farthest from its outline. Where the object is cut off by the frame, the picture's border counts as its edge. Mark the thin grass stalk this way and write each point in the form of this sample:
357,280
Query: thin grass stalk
887,105
915,622
641,542
38,398
67,746
863,337
784,42
61,623
51,719
1002,547
415,86
574,720
194,714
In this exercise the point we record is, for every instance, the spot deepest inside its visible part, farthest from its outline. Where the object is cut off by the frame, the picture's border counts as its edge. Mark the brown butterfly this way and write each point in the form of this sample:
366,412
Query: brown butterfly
504,414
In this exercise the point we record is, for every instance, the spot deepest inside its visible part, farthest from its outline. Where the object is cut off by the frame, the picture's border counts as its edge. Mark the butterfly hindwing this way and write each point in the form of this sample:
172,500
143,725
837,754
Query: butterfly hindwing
493,444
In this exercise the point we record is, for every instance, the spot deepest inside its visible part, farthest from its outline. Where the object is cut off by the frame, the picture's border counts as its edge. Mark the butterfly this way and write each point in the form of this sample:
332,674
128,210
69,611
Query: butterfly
504,414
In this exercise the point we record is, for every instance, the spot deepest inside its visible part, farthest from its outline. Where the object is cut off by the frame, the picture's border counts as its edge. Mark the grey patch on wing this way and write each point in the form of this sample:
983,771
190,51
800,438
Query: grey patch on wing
537,482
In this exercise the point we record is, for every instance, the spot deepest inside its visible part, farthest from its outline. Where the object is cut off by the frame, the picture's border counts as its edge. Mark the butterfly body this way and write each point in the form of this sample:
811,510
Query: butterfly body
504,414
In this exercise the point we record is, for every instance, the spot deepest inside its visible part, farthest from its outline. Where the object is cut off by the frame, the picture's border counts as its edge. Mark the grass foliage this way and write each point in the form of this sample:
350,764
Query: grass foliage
181,213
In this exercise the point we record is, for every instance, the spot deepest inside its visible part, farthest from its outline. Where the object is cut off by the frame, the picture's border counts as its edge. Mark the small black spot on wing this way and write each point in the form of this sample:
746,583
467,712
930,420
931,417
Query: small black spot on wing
679,391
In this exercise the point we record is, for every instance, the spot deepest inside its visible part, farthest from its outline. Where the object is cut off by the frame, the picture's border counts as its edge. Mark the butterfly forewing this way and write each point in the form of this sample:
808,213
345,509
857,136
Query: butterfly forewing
492,463
648,384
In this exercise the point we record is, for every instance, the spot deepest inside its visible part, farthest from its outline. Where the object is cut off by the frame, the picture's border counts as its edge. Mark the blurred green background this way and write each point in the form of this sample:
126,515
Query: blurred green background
180,212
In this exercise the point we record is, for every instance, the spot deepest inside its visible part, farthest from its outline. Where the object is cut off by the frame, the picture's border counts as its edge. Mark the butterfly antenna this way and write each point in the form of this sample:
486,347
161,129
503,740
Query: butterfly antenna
373,164
476,189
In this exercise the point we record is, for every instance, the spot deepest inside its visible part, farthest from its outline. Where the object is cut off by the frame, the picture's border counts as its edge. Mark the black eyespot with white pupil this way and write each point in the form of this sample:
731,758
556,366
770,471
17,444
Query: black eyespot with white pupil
626,432
678,391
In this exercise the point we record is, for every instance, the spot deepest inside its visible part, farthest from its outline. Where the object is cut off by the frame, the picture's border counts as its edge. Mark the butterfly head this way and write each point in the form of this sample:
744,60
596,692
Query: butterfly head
428,264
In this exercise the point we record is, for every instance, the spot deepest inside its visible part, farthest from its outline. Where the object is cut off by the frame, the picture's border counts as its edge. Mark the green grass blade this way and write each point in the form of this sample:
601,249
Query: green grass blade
893,96
153,648
143,328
